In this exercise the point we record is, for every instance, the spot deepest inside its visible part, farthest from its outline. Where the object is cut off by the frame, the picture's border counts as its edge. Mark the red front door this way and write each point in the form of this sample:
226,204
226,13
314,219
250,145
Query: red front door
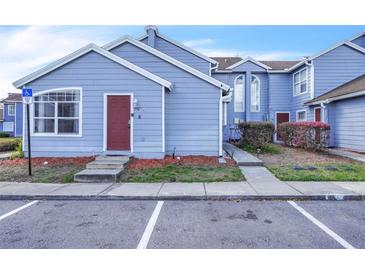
281,117
118,122
317,115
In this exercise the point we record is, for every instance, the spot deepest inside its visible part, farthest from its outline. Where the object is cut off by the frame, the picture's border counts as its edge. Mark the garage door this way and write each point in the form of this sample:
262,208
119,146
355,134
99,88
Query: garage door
349,124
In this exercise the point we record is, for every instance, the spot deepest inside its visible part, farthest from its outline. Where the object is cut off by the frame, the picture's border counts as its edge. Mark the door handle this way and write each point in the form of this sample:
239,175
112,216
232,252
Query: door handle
129,123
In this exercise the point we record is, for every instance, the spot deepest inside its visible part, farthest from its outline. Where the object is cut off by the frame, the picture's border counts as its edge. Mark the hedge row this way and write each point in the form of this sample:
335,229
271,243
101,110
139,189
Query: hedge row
308,135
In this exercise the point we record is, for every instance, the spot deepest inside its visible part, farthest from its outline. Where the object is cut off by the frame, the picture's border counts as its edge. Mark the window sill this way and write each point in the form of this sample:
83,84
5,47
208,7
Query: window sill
55,135
296,95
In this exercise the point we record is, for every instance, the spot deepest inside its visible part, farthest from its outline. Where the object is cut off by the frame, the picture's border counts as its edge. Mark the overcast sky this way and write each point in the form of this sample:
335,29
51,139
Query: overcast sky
27,48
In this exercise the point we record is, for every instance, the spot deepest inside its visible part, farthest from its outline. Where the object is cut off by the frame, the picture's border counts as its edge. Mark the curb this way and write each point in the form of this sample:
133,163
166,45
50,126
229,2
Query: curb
315,197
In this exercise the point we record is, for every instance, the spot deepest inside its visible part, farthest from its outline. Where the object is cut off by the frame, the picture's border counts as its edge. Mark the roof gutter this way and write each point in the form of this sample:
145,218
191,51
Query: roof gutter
337,98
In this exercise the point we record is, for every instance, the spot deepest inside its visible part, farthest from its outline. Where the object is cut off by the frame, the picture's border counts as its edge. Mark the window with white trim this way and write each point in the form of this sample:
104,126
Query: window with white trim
239,94
1,112
11,110
255,94
301,115
300,82
57,112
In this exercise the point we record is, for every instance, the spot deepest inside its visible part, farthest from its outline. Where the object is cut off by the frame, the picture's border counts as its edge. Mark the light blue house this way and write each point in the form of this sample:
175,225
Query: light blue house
153,96
11,115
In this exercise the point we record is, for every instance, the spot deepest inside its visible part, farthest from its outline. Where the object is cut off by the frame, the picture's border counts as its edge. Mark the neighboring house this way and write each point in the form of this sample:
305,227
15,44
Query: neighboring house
153,96
278,91
11,115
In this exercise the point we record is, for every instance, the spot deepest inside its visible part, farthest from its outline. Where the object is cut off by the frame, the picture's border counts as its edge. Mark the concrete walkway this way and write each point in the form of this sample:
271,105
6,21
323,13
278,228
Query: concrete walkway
5,155
348,154
187,191
241,157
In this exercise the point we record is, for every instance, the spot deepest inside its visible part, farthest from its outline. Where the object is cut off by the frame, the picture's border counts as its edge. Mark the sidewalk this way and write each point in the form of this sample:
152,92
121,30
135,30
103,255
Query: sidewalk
184,191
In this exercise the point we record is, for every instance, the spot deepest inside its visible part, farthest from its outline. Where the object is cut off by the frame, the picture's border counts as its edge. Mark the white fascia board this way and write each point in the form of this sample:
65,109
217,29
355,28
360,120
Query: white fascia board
181,45
356,36
91,47
167,58
337,98
249,59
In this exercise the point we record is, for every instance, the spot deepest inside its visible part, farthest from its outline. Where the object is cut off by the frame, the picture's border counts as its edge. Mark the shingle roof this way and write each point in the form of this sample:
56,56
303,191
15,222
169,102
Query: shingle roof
12,97
279,65
225,62
353,86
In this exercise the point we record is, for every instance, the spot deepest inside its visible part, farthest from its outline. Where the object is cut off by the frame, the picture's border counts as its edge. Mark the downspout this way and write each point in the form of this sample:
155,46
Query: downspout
311,66
220,129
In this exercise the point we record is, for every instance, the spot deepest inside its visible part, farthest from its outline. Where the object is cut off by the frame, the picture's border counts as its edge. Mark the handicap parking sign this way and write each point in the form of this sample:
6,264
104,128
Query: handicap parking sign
27,94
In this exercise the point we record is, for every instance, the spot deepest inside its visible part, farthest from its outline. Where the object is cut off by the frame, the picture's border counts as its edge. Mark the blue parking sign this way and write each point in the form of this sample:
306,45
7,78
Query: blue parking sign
27,94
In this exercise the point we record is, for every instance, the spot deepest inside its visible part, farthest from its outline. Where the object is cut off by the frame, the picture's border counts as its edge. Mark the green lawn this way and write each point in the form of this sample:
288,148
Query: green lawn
177,173
8,143
339,172
41,174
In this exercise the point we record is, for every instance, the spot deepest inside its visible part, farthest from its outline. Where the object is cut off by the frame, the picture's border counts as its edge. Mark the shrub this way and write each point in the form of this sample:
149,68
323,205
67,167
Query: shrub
4,135
19,151
256,134
9,144
307,135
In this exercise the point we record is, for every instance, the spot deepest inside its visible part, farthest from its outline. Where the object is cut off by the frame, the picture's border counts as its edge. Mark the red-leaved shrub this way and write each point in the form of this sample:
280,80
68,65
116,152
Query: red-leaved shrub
308,135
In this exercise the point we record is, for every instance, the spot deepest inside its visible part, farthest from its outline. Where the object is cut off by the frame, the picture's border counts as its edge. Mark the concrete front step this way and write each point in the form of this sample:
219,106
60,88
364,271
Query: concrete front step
98,175
100,164
112,158
241,157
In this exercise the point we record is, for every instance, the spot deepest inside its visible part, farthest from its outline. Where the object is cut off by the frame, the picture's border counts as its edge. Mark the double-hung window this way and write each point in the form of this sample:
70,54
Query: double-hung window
239,94
11,110
255,94
301,115
300,80
57,112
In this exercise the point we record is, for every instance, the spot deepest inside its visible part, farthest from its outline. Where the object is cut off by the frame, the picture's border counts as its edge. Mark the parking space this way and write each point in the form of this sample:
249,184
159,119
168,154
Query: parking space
346,218
179,224
77,224
249,224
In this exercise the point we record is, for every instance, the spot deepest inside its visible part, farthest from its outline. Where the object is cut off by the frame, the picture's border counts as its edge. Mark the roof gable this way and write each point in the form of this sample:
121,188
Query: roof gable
251,60
182,46
12,97
167,58
88,48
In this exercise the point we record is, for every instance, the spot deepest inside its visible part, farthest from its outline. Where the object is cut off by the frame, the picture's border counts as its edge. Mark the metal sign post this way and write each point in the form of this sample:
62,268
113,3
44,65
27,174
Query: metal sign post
27,94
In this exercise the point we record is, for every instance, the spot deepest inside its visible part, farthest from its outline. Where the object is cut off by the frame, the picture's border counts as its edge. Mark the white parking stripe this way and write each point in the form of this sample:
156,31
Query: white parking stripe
150,226
17,210
330,232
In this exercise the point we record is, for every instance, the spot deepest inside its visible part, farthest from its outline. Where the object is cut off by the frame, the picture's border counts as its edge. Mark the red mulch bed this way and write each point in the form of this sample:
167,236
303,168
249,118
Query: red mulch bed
135,164
51,161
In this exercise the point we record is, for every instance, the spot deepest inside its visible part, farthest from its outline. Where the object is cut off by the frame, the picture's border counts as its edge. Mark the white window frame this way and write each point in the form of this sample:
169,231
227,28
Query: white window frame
300,82
297,114
13,113
243,93
56,134
259,93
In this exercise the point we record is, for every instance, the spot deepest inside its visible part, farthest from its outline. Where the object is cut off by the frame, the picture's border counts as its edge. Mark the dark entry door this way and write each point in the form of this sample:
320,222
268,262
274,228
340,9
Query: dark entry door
118,122
281,117
317,115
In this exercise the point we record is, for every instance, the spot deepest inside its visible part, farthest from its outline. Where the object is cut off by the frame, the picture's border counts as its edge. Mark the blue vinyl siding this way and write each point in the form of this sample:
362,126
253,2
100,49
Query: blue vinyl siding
360,41
348,123
192,108
15,119
229,78
336,68
181,54
98,75
280,94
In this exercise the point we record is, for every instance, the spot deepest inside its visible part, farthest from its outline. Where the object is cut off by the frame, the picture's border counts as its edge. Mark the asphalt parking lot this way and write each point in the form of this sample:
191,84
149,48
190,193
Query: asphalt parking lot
182,224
